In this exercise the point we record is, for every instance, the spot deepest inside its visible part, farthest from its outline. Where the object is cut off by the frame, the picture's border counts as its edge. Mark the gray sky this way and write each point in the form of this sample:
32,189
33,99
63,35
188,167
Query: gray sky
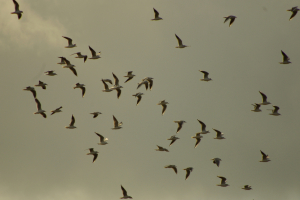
43,160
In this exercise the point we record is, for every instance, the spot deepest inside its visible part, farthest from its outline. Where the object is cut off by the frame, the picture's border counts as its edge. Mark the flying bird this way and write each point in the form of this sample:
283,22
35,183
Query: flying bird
102,139
94,55
39,108
117,125
70,45
81,86
180,123
50,73
79,55
223,181
205,76
173,167
275,111
247,187
17,11
163,103
125,196
231,17
217,161
139,96
265,158
180,45
173,138
198,139
56,110
71,125
161,149
203,127
156,15
150,81
143,82
31,89
96,114
188,172
264,98
294,11
219,135
70,66
129,75
256,107
285,58
94,153
41,84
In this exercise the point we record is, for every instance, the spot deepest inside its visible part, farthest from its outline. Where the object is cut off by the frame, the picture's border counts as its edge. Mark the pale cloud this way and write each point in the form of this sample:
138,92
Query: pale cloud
30,30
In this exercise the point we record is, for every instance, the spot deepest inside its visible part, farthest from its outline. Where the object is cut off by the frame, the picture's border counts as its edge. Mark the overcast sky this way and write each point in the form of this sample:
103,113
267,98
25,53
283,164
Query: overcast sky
41,160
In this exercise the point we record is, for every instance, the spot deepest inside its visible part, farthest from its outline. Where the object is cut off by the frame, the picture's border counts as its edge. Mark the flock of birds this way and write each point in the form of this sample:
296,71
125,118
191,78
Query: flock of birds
148,82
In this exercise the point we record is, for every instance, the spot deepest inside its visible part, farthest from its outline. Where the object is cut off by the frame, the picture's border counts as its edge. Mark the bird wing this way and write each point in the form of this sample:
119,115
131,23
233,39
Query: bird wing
73,70
202,125
116,79
264,155
101,137
175,169
118,92
95,157
116,123
285,57
33,92
218,132
179,40
139,99
124,191
72,121
150,83
44,115
105,85
231,20
294,14
264,97
156,14
85,57
92,51
179,127
128,79
83,91
197,142
164,109
16,5
38,104
69,40
187,174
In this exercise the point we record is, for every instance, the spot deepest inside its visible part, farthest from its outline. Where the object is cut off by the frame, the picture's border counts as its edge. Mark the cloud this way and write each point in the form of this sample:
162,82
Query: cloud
30,30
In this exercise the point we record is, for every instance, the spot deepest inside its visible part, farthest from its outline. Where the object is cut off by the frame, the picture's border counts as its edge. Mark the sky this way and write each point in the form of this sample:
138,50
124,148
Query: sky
41,159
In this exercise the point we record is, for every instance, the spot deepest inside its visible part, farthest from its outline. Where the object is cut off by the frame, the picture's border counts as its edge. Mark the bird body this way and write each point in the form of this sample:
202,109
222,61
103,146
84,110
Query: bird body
129,75
265,157
285,58
173,138
125,196
41,84
81,86
56,110
102,139
180,45
231,17
188,172
70,44
223,181
256,107
139,96
219,134
264,98
203,128
117,125
275,111
198,139
156,15
217,161
180,123
163,103
294,11
96,114
71,125
94,55
94,153
205,76
161,149
50,73
247,187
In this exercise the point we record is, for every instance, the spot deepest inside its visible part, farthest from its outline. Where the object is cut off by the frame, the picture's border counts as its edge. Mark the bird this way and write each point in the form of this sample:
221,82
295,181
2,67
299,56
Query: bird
117,125
156,15
163,103
256,107
143,82
71,125
56,110
129,75
198,139
139,96
62,61
81,86
39,108
94,55
216,161
96,114
106,89
180,45
219,135
31,89
275,111
188,172
50,73
294,11
180,123
264,97
69,65
41,84
205,76
125,196
173,167
17,11
161,149
150,81
231,17
265,158
94,153
247,187
223,181
80,56
70,45
285,58
173,138
203,127
102,139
